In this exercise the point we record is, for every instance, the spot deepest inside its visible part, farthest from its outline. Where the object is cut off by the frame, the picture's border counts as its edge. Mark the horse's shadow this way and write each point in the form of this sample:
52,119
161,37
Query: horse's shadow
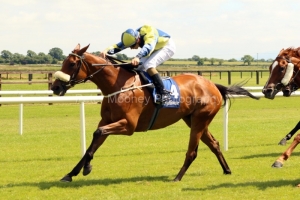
45,185
260,185
273,155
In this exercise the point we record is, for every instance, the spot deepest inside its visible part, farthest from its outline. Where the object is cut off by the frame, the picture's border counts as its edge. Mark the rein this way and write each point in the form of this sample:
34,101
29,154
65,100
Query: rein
289,61
72,81
296,73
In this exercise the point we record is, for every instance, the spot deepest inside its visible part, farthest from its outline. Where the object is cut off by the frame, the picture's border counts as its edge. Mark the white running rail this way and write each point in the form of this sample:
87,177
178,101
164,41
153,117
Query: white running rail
64,99
81,99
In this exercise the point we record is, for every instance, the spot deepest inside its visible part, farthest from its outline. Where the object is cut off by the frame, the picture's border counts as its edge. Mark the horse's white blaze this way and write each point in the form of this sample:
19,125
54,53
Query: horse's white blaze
274,65
62,76
288,74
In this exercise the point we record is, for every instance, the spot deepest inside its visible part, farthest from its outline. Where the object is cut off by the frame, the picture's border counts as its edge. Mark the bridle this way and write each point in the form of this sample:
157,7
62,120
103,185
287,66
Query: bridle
291,81
72,82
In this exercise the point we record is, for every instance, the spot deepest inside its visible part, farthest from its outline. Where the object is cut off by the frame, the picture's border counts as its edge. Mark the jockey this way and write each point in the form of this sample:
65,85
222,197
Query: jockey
156,47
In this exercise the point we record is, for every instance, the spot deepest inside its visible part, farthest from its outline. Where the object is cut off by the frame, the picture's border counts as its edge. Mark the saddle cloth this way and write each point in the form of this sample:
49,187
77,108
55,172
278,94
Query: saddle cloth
171,86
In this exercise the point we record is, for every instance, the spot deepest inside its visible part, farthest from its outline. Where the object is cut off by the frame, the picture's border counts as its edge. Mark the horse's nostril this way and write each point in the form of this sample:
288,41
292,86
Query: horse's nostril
54,88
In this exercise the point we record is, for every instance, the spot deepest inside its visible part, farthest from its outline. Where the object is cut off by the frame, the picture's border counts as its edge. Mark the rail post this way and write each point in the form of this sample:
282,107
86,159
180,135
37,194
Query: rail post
0,86
229,77
49,81
50,84
29,78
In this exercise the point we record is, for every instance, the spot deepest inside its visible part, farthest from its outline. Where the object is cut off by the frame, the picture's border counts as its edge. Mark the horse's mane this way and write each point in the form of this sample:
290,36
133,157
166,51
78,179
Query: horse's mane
120,63
290,51
292,48
116,62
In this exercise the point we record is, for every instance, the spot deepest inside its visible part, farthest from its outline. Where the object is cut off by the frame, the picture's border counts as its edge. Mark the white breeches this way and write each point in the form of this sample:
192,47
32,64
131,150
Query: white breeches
158,57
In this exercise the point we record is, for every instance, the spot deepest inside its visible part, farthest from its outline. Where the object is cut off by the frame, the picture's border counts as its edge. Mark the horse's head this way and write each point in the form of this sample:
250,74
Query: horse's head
294,83
281,72
282,75
71,73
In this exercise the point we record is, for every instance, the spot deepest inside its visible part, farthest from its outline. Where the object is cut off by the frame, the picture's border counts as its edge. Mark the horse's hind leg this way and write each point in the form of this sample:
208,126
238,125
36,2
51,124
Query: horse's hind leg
290,134
191,153
190,157
208,139
279,162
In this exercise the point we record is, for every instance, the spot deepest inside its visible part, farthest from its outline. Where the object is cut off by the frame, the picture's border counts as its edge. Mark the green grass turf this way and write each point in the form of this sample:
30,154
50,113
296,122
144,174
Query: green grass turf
143,166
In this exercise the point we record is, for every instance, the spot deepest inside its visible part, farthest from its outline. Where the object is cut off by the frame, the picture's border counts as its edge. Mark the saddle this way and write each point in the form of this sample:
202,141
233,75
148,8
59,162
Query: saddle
145,78
169,84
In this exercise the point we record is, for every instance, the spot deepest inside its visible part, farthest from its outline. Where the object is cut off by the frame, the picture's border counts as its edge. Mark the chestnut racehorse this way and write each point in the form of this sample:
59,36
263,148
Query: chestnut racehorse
200,101
285,76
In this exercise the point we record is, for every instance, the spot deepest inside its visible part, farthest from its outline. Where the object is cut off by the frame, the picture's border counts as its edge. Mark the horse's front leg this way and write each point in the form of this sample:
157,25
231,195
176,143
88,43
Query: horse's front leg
279,162
97,141
120,128
99,136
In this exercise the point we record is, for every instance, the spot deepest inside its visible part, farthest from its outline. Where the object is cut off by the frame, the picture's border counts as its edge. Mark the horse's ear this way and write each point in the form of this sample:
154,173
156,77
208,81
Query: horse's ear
77,47
83,50
281,51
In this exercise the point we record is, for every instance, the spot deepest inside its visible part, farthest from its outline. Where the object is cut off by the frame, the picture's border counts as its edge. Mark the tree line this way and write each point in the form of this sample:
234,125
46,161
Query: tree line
55,56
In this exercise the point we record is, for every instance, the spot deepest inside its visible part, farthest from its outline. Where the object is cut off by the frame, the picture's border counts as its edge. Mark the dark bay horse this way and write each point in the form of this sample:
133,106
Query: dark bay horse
285,76
200,101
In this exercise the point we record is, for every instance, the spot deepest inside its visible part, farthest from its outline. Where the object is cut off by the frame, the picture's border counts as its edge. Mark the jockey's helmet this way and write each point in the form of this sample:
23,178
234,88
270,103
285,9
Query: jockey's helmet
129,37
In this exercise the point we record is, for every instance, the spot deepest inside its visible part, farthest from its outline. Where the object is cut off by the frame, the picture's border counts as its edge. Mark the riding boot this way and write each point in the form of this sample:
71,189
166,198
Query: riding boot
162,95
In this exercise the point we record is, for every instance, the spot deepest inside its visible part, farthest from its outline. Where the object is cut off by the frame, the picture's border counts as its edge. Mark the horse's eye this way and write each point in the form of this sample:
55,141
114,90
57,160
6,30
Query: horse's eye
282,69
72,64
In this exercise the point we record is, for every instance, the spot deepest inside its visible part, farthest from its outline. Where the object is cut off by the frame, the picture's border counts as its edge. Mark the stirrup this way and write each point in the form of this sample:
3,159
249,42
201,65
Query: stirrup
162,98
166,92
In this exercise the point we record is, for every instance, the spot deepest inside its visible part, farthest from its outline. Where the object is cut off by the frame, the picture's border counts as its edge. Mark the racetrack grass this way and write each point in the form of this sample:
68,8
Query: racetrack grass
143,166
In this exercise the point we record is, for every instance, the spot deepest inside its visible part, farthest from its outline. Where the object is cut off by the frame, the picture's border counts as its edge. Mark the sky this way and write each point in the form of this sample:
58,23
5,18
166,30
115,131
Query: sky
214,29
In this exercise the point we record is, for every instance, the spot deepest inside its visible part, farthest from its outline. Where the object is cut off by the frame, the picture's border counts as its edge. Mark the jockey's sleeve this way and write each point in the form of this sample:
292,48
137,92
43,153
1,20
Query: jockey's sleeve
150,37
115,48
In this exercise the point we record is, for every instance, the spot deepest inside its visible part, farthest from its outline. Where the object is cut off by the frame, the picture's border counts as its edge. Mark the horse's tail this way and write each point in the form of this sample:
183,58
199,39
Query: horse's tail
236,89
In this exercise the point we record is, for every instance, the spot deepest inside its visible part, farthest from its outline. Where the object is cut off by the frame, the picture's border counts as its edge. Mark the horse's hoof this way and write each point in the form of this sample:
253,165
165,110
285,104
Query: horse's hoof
227,172
277,164
66,178
87,170
282,142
